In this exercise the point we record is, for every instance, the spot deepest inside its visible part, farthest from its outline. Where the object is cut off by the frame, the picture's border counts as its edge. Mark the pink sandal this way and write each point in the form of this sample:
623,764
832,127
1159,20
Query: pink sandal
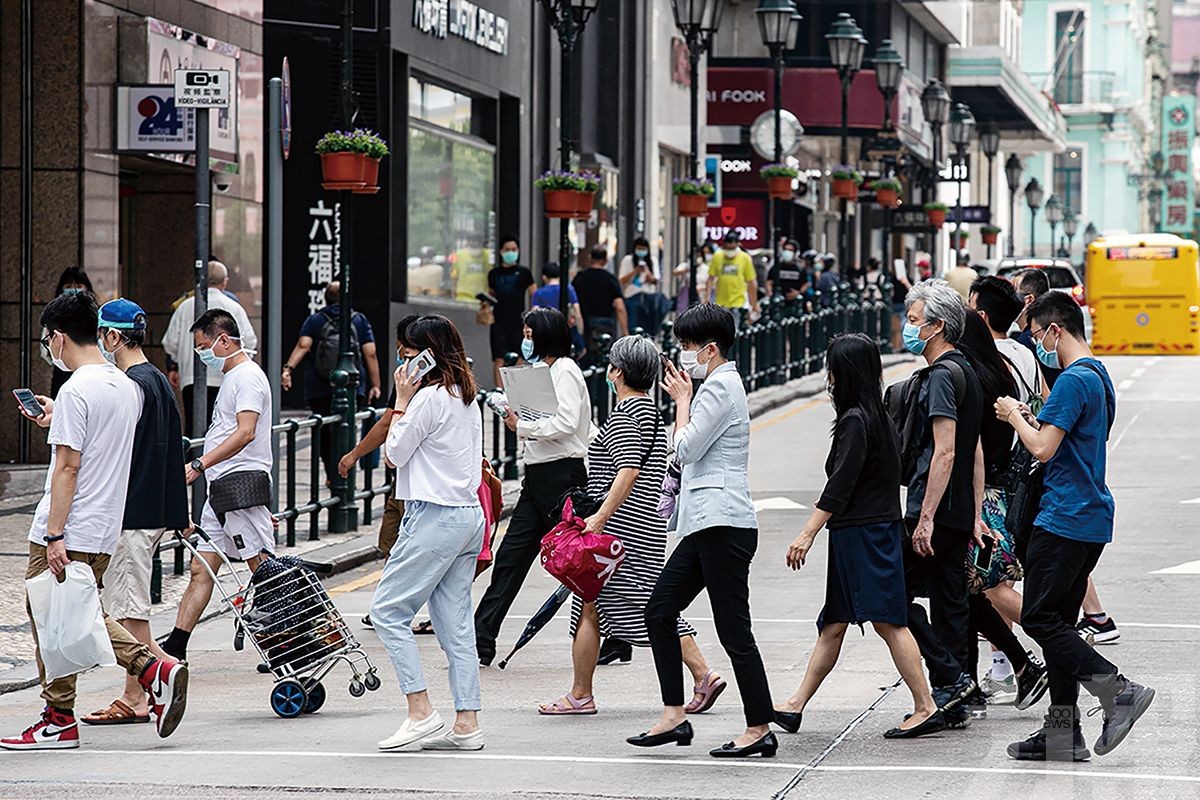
577,706
708,690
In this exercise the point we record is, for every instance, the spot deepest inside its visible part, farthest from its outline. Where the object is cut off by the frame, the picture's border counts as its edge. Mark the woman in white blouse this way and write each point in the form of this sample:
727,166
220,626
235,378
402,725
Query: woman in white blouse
436,445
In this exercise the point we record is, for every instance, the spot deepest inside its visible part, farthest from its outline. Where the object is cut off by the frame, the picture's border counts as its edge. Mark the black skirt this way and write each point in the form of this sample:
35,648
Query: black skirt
866,576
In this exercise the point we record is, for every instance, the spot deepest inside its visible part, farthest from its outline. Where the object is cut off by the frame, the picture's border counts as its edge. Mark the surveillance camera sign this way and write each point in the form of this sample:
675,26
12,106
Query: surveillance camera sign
202,88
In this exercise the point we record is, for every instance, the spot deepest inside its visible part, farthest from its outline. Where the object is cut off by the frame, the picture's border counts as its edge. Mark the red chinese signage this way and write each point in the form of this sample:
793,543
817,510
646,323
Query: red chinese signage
736,95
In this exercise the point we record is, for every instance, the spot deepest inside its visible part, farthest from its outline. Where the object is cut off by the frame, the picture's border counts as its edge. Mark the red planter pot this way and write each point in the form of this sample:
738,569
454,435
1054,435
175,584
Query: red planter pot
936,218
692,205
561,203
960,243
887,197
780,188
583,204
989,237
370,176
845,188
343,170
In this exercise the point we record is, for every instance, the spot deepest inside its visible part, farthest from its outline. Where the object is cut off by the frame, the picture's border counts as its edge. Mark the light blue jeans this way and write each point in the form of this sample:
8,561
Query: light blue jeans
432,561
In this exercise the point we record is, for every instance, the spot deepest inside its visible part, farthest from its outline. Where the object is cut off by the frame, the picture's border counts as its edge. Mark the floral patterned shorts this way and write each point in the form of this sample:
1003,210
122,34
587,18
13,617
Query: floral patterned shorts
1005,566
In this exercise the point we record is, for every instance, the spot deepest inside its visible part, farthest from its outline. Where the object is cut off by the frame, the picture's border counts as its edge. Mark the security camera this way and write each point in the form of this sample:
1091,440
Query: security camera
221,182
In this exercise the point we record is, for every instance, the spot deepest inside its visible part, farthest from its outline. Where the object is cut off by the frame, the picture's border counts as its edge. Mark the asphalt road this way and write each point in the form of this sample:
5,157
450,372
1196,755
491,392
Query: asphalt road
232,746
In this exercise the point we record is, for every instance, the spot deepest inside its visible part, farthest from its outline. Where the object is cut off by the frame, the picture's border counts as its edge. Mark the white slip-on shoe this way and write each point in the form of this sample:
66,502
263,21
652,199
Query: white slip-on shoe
413,730
455,741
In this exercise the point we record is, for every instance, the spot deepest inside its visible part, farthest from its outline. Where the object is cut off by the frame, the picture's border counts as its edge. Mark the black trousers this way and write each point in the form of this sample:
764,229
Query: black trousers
1056,575
717,559
187,410
942,578
986,619
533,517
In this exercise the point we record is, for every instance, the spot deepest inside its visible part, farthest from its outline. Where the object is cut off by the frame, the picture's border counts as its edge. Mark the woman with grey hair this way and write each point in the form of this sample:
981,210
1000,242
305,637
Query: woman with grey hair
626,465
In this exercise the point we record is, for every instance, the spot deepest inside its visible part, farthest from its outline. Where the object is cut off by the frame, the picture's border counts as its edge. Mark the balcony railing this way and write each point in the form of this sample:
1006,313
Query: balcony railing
1078,88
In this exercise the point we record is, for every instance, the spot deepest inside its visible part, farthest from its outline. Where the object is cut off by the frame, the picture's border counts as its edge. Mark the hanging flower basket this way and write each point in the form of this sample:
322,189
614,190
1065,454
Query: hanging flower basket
691,196
585,198
560,193
846,181
989,234
937,213
960,237
887,192
374,149
343,161
779,179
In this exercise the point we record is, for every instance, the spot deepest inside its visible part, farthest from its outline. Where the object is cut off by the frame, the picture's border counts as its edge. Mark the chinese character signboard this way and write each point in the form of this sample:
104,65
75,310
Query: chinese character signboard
324,250
1179,131
202,88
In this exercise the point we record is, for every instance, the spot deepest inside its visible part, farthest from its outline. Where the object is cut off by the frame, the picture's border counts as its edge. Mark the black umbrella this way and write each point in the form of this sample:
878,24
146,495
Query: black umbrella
539,620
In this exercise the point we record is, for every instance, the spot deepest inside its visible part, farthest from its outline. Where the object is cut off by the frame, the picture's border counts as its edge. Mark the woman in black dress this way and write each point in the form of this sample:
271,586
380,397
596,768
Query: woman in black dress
861,508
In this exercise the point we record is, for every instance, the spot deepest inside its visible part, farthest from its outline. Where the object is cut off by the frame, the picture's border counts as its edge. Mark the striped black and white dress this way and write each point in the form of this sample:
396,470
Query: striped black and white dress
622,444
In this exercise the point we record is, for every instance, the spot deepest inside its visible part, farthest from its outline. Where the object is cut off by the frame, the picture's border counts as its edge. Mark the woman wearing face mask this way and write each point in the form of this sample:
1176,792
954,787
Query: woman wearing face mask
72,280
718,534
626,465
639,276
861,507
554,451
512,286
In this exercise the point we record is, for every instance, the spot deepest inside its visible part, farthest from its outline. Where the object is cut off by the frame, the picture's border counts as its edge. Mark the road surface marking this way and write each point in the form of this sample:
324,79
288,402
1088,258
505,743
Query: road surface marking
643,761
1137,373
777,504
1121,438
1125,384
1195,501
357,583
798,621
1186,568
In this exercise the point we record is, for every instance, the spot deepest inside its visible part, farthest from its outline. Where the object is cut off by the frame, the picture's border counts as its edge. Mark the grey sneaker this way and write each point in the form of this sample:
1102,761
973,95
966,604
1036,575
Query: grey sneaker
999,692
1119,715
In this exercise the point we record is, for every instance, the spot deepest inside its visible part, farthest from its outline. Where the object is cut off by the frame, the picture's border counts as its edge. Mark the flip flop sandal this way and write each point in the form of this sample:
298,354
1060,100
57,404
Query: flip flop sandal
423,628
708,690
116,714
575,706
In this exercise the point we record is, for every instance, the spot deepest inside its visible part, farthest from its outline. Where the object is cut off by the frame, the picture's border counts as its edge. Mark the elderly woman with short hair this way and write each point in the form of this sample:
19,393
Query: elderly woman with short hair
626,465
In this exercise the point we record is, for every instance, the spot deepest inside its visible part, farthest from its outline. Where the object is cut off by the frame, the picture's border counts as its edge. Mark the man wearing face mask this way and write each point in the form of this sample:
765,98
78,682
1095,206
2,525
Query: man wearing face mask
237,445
945,492
828,279
733,281
512,285
787,278
639,275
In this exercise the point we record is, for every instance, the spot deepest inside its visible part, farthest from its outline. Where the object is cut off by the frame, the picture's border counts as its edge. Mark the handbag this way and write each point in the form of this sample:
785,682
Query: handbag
234,491
71,633
581,560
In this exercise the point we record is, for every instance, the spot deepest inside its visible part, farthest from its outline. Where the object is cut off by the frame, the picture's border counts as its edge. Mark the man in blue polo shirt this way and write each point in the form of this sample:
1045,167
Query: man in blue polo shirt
1075,521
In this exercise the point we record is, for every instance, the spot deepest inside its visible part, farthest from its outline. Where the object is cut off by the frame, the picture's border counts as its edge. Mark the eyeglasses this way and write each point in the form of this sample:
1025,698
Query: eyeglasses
45,341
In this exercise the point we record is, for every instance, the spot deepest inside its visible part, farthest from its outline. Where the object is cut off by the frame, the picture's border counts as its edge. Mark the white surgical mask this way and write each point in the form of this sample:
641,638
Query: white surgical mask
57,360
689,362
109,357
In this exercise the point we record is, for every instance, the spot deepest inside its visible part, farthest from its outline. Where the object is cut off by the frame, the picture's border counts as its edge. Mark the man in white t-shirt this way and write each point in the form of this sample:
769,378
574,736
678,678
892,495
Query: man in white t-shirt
78,519
997,303
238,440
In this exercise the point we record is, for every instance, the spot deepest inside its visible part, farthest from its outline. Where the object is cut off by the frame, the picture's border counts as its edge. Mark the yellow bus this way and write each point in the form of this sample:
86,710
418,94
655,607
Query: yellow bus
1143,292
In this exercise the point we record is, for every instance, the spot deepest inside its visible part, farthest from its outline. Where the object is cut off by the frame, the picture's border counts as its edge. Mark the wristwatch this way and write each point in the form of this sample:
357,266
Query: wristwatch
197,465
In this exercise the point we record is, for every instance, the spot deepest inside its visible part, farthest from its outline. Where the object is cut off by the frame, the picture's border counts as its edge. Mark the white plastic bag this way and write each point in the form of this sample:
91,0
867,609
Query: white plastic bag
72,636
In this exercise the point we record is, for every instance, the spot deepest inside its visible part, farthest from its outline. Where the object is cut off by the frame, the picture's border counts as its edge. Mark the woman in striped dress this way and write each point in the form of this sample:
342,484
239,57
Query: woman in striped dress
626,465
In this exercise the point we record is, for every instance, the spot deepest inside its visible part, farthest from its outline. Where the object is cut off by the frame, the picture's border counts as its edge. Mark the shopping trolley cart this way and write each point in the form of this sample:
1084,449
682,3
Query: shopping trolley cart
294,626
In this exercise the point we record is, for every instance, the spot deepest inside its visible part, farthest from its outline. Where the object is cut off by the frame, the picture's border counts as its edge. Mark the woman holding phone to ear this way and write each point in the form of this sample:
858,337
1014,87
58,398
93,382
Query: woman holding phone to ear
436,445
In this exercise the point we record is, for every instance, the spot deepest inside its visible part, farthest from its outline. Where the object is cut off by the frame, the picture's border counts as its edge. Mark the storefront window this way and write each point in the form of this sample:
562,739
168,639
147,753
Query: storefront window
451,214
439,106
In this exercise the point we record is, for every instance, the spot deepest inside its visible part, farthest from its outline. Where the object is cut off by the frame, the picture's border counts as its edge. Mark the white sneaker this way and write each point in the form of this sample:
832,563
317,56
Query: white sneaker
413,731
999,692
455,741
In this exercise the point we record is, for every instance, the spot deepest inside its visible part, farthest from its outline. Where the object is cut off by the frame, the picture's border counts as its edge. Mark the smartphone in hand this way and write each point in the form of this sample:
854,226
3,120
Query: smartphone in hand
983,556
29,404
421,365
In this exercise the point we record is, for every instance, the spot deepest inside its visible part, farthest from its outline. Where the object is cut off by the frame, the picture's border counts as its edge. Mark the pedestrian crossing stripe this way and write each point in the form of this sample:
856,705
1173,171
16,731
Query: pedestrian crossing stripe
777,504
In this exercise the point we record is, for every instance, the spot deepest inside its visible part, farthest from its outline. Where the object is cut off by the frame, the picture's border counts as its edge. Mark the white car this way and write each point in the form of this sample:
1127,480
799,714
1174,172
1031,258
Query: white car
1062,277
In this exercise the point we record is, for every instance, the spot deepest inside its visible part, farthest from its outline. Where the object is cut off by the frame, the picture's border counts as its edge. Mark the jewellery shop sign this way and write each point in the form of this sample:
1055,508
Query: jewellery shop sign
464,20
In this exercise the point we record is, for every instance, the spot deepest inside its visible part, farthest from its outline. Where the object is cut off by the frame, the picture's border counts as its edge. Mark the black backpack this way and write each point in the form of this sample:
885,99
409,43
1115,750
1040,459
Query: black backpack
901,402
325,350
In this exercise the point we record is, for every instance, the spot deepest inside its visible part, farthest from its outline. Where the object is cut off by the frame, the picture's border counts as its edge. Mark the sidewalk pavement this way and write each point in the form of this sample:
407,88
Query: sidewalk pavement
21,488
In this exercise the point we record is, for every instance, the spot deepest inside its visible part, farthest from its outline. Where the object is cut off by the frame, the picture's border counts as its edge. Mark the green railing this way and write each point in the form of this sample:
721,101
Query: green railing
786,343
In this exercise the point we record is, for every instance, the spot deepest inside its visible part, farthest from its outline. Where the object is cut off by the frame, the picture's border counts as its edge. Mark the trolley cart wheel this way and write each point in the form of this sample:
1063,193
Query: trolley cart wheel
288,699
315,691
357,689
371,681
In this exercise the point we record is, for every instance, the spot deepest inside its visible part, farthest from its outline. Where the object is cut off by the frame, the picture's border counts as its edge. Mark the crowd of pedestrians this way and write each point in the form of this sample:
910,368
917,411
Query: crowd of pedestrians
951,434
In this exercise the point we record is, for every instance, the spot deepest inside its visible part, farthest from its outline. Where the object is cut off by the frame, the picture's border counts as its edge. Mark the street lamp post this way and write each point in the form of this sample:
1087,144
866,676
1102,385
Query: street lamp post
889,70
1070,227
1054,215
1012,174
778,24
989,143
568,18
846,46
962,125
1033,198
935,103
697,21
1090,234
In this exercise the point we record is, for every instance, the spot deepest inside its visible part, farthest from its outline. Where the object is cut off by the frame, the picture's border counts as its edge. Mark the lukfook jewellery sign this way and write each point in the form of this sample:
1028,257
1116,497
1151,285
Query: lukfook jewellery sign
463,19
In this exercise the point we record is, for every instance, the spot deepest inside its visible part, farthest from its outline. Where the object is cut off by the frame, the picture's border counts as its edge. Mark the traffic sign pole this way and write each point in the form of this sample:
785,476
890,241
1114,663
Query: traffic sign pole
203,212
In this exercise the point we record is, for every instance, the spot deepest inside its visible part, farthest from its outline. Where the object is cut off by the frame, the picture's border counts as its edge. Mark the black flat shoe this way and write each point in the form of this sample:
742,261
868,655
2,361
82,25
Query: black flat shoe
681,735
934,724
615,650
765,747
789,720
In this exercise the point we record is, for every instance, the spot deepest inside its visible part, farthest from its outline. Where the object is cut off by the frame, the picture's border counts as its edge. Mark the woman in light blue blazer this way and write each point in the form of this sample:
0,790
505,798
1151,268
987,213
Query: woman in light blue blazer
718,533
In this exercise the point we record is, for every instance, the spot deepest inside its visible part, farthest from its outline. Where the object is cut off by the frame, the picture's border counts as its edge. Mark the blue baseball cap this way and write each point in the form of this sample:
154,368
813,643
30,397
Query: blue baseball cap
122,314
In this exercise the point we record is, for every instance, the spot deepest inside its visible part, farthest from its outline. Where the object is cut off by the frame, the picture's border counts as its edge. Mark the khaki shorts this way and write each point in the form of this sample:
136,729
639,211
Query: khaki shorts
389,526
126,593
245,534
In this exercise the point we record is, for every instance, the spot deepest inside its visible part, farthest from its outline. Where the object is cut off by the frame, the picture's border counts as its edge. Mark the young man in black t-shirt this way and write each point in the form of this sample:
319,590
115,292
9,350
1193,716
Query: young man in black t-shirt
601,300
945,494
789,278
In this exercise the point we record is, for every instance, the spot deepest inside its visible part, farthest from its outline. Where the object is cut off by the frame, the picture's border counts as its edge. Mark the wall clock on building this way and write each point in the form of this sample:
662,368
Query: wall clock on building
762,134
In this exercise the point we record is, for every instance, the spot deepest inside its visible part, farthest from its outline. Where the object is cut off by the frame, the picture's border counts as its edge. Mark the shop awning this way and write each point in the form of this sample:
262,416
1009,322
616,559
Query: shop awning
995,88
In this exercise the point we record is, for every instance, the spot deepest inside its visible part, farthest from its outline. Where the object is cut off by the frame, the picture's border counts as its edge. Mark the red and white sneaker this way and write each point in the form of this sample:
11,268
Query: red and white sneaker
167,686
57,730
